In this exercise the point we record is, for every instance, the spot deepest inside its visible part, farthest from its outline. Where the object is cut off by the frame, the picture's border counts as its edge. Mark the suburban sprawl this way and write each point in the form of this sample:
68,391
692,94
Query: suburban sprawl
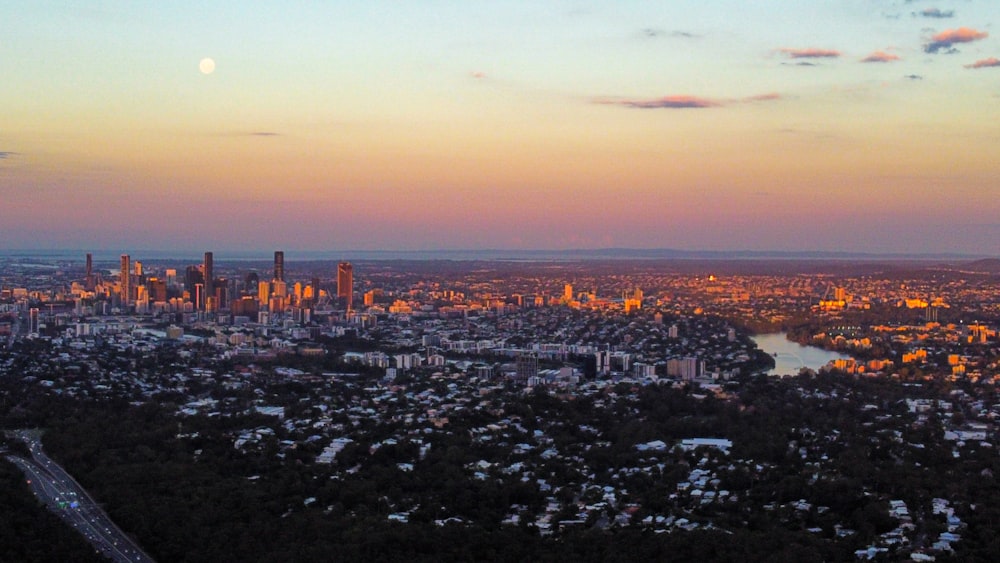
502,410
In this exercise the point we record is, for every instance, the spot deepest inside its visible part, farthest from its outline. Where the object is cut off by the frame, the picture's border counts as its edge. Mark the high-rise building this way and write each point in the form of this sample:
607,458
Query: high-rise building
279,265
89,282
568,293
526,367
206,269
345,283
263,292
192,275
157,290
33,320
126,279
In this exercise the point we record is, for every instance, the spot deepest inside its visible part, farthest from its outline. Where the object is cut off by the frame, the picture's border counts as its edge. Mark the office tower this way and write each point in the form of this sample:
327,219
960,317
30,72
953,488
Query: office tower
207,272
192,276
314,285
138,269
89,283
126,279
263,292
171,277
157,290
279,289
526,366
568,293
250,282
33,320
345,283
199,296
141,299
279,265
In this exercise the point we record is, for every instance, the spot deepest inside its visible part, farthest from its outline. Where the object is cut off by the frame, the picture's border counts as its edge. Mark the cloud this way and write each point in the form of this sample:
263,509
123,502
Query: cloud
769,97
656,32
264,134
935,13
810,53
666,102
477,74
685,102
880,57
943,41
914,77
6,154
985,63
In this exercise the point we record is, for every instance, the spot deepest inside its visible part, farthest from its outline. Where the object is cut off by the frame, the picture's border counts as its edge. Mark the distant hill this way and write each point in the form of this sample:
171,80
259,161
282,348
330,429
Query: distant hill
986,265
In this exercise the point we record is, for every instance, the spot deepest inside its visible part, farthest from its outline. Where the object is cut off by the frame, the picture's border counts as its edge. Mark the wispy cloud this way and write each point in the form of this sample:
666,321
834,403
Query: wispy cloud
265,134
666,102
935,13
685,101
985,63
945,40
914,77
656,32
6,154
880,57
810,53
769,97
477,74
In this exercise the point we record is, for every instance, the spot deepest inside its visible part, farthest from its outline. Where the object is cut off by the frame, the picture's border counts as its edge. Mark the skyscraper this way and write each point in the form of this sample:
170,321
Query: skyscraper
209,275
279,265
126,279
345,283
89,283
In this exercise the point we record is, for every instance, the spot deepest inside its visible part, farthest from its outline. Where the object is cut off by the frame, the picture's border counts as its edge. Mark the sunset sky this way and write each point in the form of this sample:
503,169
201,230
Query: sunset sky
856,125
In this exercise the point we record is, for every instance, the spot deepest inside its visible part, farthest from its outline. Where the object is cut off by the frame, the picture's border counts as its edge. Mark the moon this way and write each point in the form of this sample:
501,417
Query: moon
206,66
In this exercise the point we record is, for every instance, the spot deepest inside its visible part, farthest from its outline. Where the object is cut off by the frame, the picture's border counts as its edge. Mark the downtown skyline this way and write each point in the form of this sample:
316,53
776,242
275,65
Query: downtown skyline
859,126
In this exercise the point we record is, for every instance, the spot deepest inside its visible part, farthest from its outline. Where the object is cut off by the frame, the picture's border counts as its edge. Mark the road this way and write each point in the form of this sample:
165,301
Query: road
63,495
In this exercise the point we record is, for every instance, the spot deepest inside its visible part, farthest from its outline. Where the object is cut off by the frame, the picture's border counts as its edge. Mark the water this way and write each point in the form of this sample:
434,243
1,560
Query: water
790,357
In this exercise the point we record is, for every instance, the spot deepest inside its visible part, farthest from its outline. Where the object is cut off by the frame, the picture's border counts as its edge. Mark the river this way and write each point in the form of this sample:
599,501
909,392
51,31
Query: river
790,357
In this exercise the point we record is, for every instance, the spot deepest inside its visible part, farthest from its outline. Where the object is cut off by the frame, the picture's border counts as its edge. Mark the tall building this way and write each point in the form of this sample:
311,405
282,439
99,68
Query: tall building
568,293
33,320
126,279
263,292
526,367
279,265
89,283
157,290
209,275
192,275
345,283
199,296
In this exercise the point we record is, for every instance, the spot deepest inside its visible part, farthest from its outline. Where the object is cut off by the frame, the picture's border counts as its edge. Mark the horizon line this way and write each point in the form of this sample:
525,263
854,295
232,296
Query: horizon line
605,253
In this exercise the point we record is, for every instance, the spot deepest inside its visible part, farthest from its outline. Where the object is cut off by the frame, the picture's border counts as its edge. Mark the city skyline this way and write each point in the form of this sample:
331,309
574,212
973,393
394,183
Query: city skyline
864,126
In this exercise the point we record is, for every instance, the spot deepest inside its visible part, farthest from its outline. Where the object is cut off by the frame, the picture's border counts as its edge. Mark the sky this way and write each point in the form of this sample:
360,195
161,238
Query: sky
854,125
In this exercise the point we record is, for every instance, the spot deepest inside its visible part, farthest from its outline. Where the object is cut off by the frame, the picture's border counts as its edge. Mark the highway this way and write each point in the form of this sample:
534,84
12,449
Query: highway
63,495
